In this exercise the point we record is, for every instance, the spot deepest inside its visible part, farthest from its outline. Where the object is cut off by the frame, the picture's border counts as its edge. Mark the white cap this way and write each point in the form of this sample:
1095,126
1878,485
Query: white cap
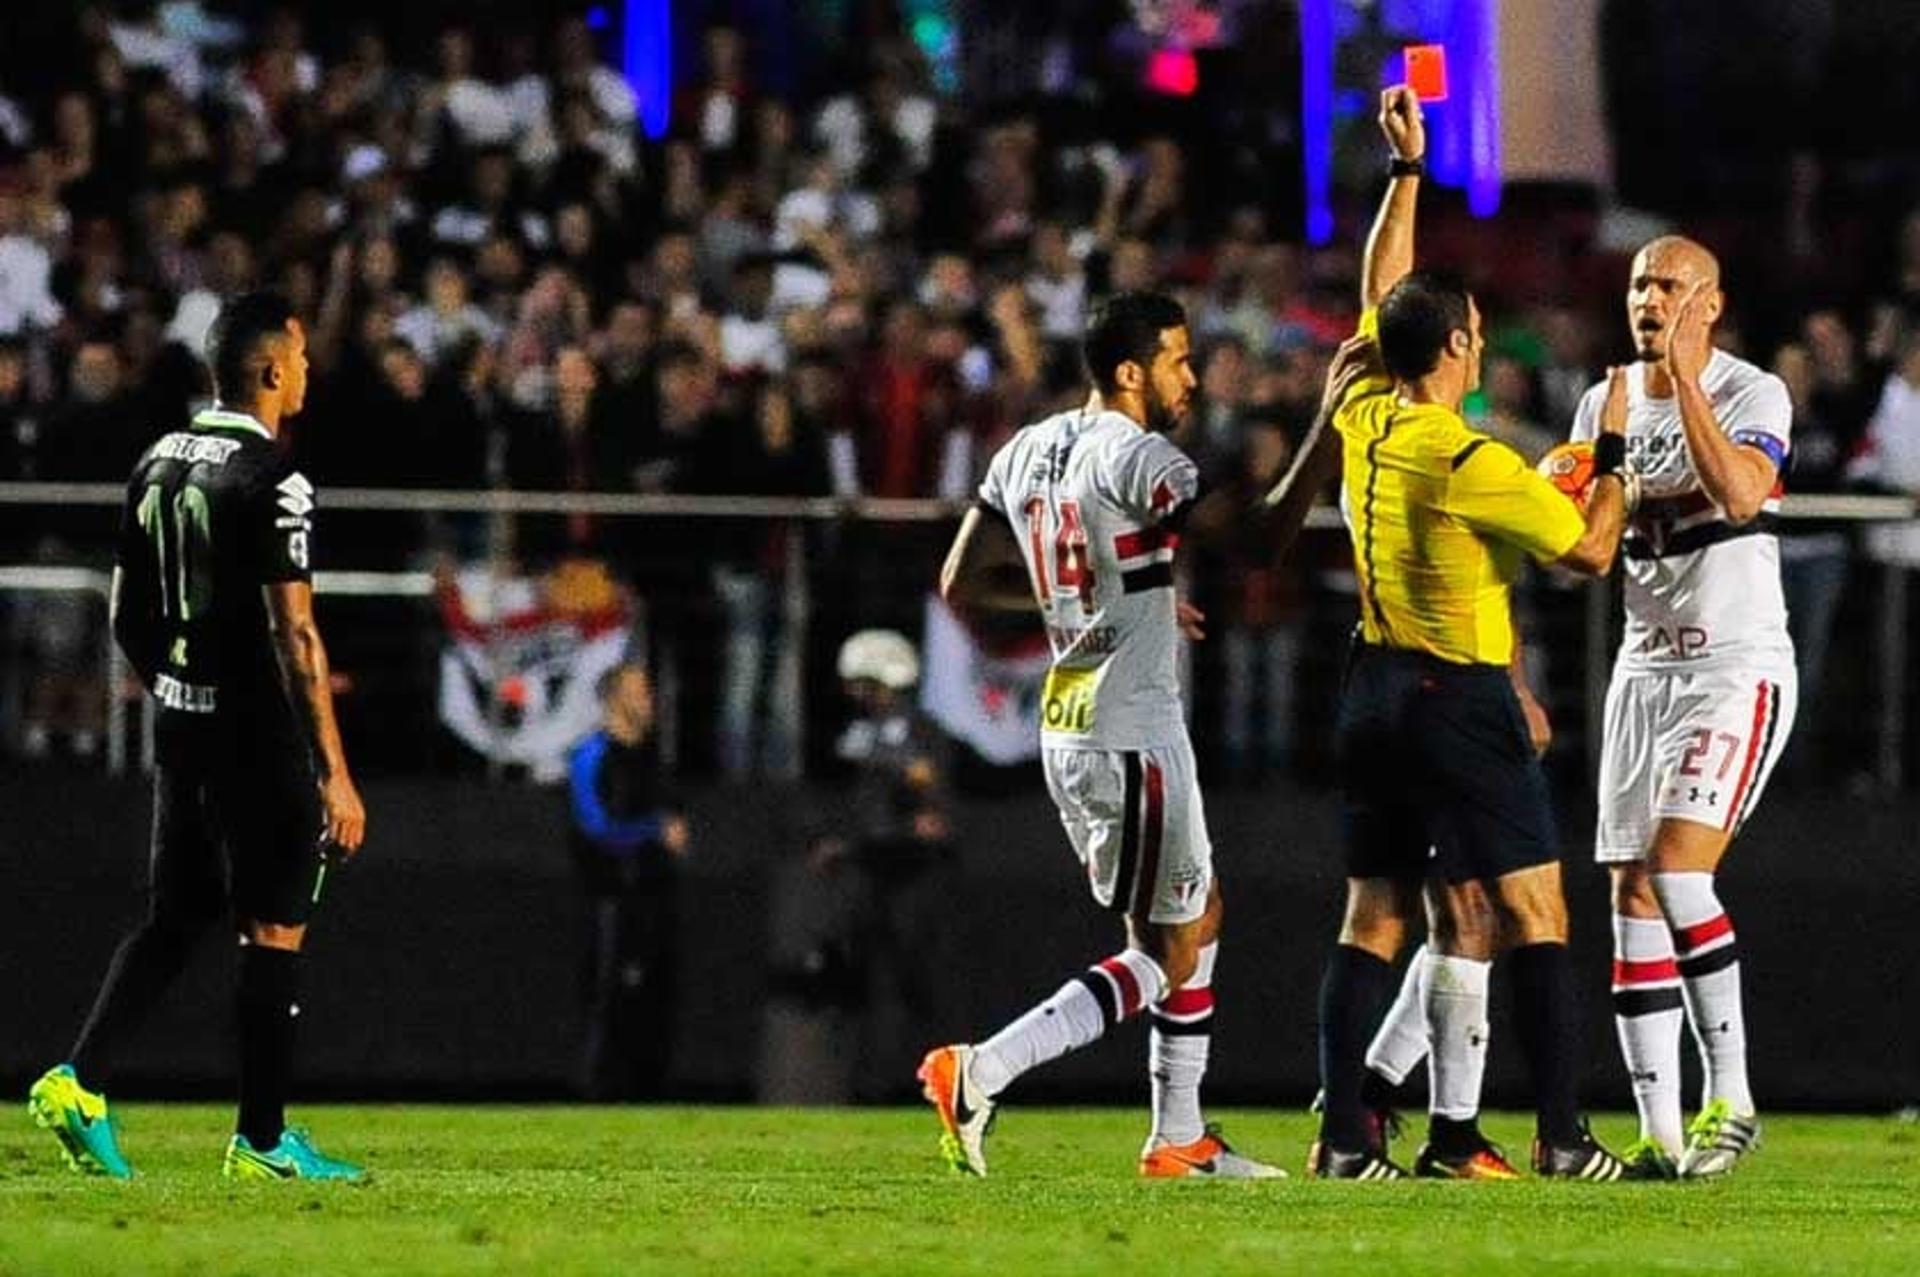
884,656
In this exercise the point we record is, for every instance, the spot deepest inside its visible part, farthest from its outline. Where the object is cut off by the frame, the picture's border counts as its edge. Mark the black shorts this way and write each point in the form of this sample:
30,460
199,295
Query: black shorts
1437,770
234,830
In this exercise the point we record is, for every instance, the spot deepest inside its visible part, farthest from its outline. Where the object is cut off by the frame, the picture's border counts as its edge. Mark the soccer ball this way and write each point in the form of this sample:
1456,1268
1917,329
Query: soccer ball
1569,467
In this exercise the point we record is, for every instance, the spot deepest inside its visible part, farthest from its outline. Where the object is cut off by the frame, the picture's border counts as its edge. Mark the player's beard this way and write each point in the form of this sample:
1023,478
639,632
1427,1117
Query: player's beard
1162,418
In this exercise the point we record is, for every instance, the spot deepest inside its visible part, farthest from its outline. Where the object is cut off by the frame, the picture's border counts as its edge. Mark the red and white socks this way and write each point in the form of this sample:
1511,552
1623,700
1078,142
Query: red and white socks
1708,961
1647,1011
1178,1041
1078,1013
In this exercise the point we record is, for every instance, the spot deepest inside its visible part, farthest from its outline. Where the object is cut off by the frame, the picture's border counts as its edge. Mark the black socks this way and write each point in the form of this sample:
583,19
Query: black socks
265,1010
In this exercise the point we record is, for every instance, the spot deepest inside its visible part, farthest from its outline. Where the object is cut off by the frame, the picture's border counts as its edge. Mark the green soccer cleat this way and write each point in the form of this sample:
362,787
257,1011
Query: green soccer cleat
78,1118
294,1157
1717,1139
1645,1159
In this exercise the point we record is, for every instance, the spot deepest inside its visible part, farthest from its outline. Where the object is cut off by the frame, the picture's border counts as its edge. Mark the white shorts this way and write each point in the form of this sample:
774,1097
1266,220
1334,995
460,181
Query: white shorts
1689,745
1135,821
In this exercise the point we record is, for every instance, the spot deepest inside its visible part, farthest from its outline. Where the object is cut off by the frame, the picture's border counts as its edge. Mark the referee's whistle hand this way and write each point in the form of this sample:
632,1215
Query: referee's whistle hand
346,815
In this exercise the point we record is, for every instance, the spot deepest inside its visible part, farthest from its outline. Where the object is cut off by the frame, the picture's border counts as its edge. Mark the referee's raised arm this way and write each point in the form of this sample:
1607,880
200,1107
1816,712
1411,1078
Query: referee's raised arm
1389,256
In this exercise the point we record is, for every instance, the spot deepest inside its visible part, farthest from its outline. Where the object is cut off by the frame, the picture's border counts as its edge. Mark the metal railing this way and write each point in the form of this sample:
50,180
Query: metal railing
796,606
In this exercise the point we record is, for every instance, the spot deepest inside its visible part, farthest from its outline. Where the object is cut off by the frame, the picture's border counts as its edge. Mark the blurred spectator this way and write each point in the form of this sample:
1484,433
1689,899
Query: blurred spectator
1258,609
897,823
26,268
718,108
900,440
1889,456
92,434
781,456
628,841
446,319
1511,412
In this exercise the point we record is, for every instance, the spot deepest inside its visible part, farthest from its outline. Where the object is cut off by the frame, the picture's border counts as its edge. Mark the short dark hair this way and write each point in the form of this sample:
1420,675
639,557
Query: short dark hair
1124,327
243,323
1417,317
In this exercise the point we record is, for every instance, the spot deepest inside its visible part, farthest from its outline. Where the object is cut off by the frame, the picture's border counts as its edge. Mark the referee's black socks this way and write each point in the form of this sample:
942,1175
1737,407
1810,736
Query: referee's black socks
265,1004
1353,996
1547,1020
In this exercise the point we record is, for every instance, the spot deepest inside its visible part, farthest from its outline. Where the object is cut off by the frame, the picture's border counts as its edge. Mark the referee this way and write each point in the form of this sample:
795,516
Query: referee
213,605
1440,779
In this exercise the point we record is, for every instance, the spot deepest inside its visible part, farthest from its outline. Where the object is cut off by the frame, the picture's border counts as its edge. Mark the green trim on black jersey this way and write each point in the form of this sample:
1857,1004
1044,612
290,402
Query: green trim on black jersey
224,419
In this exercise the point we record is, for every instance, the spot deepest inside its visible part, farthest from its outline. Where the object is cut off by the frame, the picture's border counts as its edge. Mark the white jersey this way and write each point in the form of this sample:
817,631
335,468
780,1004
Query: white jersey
1700,591
1089,495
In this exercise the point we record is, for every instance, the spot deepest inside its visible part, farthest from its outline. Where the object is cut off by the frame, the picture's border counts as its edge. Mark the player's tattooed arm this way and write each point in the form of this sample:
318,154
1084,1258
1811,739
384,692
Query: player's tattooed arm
1737,477
1389,256
983,571
309,683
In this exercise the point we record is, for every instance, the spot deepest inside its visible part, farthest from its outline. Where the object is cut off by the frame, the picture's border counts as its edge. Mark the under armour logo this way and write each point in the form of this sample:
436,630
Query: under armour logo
1713,796
1649,1076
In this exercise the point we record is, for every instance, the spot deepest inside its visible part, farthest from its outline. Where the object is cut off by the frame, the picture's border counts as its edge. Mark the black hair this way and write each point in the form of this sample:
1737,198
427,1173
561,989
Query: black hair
1126,327
1416,319
243,323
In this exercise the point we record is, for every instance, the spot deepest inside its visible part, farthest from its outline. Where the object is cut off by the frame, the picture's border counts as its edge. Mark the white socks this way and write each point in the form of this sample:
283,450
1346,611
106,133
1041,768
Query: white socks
1401,1042
1709,966
1647,1011
1456,1023
1078,1013
1177,1046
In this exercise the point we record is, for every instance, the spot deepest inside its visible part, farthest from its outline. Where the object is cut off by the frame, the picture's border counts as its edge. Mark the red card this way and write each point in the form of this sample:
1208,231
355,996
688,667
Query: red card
1427,71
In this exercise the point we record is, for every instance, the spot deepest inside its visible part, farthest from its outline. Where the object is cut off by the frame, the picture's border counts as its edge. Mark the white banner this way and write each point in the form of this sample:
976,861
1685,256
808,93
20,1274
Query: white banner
520,681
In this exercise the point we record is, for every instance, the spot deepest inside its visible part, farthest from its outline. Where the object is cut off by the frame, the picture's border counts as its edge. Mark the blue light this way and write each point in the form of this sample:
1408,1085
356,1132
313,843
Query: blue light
597,18
648,62
1316,115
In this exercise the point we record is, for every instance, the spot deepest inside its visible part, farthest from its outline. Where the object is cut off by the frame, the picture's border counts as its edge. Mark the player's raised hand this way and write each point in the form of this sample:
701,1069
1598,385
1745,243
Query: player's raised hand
345,814
1613,413
1690,343
1401,121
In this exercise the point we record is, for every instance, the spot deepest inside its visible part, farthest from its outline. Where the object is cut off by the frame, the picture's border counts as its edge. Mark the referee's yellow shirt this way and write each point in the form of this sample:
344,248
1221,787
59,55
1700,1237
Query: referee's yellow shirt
1440,515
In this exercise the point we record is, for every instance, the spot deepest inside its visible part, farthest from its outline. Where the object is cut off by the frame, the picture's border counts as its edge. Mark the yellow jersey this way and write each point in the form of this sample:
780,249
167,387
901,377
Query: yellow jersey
1441,516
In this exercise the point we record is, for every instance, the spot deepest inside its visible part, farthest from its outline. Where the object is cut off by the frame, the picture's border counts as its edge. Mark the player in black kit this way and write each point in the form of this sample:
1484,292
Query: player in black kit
213,606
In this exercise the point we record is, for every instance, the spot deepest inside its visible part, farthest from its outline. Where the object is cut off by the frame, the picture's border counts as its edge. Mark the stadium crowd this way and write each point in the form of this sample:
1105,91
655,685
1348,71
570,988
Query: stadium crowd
858,290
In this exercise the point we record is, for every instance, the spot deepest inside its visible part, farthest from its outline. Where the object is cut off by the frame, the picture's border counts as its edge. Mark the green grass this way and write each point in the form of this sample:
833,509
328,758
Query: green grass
550,1191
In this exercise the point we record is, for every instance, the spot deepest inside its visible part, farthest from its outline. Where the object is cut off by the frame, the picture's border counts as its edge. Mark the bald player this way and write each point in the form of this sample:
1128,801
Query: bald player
1701,701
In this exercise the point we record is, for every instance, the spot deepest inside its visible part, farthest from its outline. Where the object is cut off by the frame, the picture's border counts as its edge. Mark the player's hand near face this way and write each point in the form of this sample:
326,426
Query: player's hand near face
1401,121
345,814
1690,344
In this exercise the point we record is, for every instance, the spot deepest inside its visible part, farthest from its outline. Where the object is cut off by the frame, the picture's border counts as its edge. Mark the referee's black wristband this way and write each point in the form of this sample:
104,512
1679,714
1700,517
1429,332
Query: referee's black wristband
1397,167
1609,454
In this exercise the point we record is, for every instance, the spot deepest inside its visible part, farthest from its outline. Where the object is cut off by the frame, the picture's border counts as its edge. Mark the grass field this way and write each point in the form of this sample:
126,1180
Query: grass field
550,1191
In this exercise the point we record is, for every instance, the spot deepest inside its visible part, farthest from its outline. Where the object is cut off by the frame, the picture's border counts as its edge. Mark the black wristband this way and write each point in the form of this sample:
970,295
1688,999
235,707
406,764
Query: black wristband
1609,454
1397,167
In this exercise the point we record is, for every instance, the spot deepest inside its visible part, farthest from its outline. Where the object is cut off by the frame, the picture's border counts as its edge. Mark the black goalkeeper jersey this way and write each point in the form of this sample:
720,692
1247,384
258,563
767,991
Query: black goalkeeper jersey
213,513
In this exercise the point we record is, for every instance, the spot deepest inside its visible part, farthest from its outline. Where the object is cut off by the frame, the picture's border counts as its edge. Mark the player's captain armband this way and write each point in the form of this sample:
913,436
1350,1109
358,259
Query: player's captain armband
1773,445
1066,700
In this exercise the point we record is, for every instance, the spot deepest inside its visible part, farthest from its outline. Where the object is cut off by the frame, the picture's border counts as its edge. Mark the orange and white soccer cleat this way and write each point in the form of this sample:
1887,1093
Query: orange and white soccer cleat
1207,1156
966,1114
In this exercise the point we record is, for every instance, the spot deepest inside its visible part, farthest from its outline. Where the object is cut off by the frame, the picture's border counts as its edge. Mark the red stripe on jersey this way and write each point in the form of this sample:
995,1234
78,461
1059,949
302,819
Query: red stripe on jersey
1754,739
1123,979
1131,545
1189,1001
1653,971
1688,939
1162,497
